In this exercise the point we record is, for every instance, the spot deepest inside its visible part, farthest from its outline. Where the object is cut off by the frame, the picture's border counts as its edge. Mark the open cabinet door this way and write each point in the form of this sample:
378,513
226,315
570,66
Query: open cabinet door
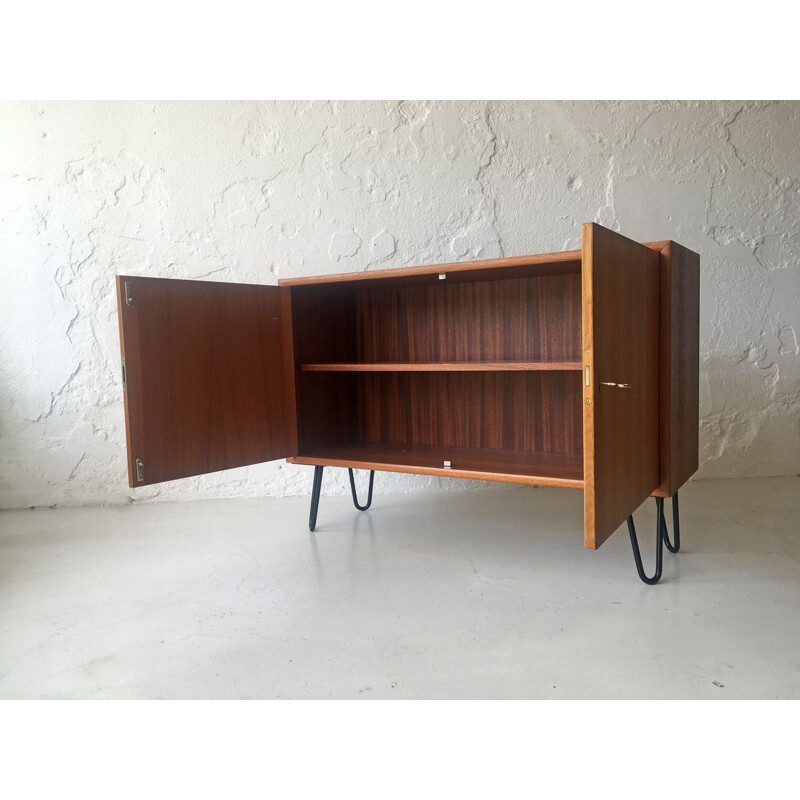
208,376
620,380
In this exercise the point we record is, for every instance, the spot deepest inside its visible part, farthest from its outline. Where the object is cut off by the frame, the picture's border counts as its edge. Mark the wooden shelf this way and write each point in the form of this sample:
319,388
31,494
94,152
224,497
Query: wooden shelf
542,469
446,366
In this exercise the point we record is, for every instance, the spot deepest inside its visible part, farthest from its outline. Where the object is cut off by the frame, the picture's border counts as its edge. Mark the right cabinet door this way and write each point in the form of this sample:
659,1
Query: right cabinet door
620,319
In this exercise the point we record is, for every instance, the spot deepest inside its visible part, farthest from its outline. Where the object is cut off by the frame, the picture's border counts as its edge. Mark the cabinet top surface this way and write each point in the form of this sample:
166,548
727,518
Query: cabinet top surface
565,261
485,269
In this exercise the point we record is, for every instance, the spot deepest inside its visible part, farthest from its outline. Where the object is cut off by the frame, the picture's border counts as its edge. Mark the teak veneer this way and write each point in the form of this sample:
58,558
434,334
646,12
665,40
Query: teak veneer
576,369
445,366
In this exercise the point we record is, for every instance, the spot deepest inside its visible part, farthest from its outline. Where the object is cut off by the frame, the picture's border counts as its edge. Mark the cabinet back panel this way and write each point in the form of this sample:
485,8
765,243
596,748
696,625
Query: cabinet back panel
530,318
327,409
520,411
324,323
524,319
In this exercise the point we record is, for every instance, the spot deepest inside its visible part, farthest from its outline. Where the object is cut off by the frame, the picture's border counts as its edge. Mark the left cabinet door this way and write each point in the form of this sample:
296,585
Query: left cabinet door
208,374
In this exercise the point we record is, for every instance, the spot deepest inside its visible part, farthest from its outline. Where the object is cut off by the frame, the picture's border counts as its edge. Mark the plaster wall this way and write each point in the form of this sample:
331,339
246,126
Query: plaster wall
251,192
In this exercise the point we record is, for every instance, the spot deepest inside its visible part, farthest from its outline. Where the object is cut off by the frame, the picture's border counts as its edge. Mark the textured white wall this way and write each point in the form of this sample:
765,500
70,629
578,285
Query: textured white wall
256,191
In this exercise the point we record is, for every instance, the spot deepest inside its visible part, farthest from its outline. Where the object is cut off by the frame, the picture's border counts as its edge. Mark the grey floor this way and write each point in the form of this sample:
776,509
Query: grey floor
483,594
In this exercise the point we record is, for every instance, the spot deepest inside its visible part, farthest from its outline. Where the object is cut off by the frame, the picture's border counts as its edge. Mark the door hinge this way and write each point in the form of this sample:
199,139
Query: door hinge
139,470
124,377
128,295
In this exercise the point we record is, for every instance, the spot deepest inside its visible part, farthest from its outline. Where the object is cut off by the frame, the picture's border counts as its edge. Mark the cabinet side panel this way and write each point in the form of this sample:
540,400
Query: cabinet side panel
680,365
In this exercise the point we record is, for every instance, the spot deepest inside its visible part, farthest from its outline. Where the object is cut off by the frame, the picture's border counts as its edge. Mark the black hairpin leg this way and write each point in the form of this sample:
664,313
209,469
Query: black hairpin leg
676,524
662,538
315,490
317,487
369,494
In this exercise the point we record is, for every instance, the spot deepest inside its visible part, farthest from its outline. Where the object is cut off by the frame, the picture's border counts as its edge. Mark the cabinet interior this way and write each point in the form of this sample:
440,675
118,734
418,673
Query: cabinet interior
481,370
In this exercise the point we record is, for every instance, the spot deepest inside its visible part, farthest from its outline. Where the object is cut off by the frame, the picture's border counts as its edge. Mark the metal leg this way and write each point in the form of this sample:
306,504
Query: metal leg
676,524
315,490
661,527
353,490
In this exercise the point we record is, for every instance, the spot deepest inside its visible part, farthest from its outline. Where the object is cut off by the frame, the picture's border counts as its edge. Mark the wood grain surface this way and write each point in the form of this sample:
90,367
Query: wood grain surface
679,365
488,365
486,269
520,319
621,345
210,378
541,469
515,411
447,366
399,370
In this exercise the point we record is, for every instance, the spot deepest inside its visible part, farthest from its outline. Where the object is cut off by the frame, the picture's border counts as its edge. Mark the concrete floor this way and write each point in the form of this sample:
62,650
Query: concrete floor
484,594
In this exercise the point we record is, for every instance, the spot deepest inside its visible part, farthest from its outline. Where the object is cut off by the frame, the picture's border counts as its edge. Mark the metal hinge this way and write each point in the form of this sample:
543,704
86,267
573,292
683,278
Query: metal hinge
128,295
124,377
139,470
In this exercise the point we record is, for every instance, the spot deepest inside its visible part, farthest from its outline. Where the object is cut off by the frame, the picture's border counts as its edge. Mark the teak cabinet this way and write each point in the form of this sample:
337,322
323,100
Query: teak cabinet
576,369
